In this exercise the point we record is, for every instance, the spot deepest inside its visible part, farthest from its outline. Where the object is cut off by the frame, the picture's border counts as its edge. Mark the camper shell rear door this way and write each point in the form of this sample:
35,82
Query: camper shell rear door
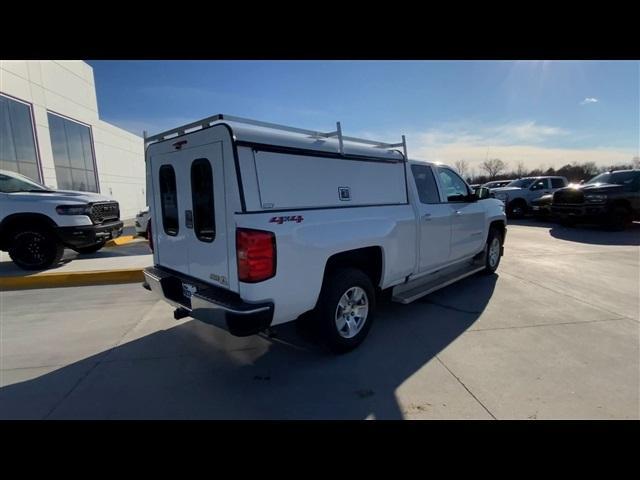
195,190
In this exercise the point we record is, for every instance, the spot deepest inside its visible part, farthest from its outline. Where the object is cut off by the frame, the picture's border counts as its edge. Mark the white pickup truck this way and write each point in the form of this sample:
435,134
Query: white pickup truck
37,222
255,224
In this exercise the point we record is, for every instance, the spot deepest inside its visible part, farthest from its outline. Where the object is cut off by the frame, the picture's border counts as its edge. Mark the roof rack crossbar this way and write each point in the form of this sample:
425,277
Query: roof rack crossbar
206,122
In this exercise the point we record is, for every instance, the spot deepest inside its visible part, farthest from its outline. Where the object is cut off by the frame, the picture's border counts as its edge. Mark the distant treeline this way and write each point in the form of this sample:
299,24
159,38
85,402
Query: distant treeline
496,169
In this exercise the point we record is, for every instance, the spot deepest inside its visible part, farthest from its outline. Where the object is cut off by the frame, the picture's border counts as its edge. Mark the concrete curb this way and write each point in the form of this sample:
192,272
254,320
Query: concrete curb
124,240
72,279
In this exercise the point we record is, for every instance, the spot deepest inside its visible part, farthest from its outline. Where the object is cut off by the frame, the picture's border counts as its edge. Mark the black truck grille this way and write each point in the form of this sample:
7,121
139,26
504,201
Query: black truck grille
104,211
570,196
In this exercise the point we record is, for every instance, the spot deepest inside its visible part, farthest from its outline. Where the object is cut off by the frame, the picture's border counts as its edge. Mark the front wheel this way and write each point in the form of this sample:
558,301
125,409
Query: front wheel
516,209
345,309
35,249
494,249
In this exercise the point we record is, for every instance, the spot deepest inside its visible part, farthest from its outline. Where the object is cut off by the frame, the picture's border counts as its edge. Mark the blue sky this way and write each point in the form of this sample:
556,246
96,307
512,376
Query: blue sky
540,113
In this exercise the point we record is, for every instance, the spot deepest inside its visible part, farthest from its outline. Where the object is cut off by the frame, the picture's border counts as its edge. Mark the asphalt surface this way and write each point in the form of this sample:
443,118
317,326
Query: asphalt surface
555,334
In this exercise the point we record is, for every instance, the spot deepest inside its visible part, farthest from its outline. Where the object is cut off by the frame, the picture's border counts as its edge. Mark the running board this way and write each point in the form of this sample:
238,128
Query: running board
415,289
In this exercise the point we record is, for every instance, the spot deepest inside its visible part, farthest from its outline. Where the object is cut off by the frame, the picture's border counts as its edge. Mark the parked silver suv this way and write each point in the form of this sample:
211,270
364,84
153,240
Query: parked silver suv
518,195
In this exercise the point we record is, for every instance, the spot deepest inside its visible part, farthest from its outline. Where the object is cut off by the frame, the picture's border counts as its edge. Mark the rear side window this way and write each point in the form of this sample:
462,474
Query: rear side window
425,183
557,183
169,200
204,224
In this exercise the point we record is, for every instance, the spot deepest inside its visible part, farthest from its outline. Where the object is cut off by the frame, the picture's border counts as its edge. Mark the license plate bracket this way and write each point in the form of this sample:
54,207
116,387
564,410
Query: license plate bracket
188,290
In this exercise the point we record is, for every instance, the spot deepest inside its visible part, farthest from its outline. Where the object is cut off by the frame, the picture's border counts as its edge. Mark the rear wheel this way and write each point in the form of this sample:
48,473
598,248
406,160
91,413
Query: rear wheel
345,309
35,248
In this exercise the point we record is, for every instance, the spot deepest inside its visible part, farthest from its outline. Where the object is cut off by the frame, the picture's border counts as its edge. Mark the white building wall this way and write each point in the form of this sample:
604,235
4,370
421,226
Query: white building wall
67,87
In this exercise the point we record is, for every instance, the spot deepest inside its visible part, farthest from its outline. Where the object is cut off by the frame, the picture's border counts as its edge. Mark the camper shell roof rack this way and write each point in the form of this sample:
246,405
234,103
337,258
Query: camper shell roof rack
337,133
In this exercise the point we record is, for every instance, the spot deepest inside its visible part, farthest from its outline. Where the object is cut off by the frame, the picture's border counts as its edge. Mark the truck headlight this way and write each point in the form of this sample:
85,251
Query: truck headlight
594,198
73,209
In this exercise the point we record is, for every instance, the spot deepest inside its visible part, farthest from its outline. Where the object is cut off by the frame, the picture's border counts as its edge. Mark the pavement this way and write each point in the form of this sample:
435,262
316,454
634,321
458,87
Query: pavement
555,334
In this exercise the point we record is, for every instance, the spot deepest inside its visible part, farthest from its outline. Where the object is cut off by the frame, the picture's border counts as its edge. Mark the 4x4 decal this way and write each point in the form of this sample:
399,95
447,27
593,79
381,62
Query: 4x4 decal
281,220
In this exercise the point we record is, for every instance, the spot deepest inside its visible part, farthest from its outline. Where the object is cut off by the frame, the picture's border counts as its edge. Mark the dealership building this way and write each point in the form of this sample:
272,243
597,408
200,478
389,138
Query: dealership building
50,131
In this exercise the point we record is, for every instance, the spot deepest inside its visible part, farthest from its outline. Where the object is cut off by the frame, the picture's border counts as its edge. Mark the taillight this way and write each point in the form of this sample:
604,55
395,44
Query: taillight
256,252
150,236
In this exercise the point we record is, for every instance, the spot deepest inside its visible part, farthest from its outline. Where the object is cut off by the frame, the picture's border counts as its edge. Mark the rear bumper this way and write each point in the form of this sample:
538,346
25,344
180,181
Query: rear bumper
208,303
85,236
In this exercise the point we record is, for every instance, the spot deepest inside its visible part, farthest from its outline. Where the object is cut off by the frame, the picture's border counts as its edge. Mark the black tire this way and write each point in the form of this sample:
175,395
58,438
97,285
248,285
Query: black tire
337,284
491,263
516,208
619,218
91,249
35,248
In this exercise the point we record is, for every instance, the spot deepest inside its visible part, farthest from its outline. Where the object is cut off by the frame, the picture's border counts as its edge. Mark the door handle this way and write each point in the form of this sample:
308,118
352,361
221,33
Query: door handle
426,217
458,212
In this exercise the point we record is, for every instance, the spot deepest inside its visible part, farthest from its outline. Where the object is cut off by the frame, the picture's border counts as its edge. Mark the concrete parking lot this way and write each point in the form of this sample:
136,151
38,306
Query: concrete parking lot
554,334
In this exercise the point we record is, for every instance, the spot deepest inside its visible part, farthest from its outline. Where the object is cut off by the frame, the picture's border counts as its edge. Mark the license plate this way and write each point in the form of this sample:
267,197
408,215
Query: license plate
188,290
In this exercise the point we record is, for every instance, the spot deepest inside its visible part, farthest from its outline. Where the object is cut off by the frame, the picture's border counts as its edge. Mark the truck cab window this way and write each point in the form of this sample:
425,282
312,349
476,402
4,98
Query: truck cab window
426,184
539,185
169,200
454,187
557,183
202,199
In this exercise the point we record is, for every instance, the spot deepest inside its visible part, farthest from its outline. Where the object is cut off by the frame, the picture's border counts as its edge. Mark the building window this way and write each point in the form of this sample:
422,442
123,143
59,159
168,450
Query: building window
72,154
17,142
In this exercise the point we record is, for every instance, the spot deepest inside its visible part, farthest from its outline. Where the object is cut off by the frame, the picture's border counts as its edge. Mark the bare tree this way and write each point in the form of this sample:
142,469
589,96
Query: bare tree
636,162
521,170
462,167
493,167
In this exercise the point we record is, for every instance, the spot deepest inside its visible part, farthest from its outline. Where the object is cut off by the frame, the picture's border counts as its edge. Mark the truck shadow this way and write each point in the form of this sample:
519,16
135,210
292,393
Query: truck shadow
586,233
195,371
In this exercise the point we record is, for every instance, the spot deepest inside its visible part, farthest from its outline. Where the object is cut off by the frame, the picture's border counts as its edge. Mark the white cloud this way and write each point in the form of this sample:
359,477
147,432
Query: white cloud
533,144
588,100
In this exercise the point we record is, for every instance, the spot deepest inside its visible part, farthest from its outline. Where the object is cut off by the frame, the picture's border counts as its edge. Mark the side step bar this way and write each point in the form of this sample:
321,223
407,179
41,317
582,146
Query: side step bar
413,290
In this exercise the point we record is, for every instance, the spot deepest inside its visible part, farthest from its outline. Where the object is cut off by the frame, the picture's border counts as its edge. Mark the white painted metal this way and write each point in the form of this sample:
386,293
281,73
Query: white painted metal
296,197
298,181
184,252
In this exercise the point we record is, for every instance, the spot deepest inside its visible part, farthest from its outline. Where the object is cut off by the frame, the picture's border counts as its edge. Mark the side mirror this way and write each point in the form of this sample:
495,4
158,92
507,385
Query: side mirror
482,193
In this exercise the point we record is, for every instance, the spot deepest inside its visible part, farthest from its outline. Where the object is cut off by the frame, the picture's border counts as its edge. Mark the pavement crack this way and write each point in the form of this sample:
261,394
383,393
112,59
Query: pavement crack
93,367
466,388
455,309
579,322
71,390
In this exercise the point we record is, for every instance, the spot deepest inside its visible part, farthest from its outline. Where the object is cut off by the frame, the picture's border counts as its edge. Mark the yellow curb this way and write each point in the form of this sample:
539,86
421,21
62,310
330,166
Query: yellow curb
72,279
123,240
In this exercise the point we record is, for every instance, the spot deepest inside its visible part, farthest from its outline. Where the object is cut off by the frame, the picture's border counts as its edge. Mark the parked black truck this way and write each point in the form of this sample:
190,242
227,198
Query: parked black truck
612,198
